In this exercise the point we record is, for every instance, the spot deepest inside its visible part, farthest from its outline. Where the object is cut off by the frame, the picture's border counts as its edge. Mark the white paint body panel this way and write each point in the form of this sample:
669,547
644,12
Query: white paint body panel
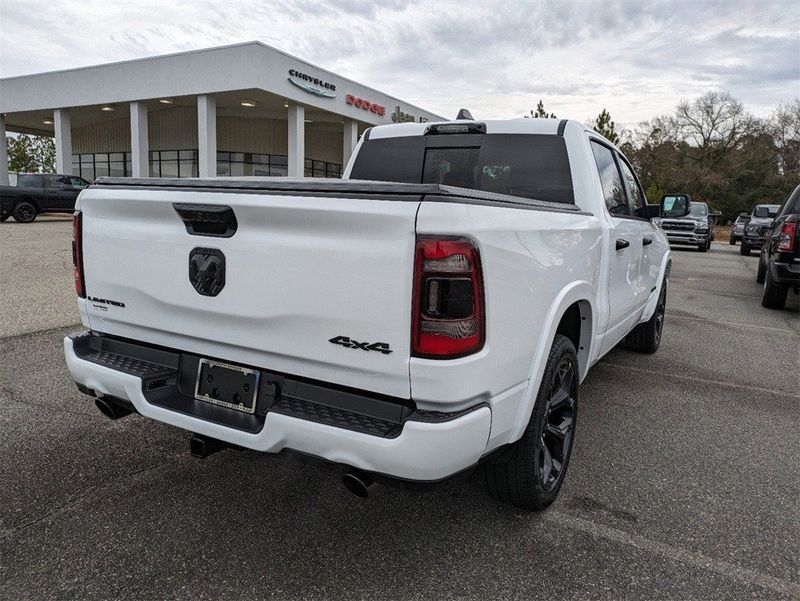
304,269
299,271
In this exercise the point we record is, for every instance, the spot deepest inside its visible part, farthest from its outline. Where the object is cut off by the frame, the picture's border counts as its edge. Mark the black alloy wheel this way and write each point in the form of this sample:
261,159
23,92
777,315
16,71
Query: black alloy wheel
530,472
559,424
24,212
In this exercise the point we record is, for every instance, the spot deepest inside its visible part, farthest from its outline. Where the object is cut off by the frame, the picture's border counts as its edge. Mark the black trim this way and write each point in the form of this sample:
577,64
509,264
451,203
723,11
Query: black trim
562,125
510,202
218,221
388,191
367,133
169,375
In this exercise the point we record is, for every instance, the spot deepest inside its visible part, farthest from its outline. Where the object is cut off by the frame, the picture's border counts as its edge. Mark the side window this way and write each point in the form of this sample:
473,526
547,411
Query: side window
56,181
611,180
637,198
77,183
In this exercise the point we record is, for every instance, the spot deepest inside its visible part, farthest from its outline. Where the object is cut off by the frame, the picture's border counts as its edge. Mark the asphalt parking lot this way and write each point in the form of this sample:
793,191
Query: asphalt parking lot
684,481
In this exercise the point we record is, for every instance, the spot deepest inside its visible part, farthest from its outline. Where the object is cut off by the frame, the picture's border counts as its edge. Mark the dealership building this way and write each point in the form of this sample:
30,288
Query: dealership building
246,109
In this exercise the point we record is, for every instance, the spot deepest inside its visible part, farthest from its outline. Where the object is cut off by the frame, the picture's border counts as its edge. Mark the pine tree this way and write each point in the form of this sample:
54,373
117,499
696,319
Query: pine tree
604,126
541,113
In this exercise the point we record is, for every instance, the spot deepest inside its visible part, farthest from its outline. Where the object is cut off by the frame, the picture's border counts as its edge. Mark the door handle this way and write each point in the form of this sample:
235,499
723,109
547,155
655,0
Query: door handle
646,241
621,243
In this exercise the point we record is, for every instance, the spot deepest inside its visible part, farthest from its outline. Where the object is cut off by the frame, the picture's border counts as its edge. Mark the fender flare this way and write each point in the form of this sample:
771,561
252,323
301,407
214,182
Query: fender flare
576,292
663,276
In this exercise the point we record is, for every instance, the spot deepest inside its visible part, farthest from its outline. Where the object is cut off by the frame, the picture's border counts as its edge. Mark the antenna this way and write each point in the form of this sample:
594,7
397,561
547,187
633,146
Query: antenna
465,114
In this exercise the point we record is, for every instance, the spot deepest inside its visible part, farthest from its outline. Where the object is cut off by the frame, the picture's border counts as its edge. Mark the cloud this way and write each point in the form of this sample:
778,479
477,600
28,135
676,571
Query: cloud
635,58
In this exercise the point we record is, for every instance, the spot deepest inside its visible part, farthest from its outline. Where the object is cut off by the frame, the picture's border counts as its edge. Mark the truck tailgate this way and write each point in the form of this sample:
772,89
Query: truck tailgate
300,271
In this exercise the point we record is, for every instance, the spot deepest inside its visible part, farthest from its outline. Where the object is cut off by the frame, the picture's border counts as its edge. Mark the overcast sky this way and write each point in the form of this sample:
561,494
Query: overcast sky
498,58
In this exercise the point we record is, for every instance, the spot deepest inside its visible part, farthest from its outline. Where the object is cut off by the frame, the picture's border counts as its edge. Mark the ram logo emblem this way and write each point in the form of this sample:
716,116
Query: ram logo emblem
207,270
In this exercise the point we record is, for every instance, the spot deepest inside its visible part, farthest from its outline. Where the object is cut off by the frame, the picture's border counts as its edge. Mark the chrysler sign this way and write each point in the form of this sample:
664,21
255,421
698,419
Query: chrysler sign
311,84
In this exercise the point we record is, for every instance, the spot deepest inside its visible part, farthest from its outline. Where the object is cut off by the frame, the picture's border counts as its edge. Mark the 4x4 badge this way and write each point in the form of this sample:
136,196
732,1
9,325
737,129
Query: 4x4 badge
381,347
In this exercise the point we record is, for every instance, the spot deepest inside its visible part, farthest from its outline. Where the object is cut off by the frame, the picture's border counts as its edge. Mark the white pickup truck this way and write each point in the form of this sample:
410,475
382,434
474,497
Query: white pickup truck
431,313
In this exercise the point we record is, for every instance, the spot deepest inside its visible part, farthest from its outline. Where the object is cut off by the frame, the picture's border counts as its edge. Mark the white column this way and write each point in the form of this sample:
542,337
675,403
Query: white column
350,140
61,124
207,135
140,160
3,152
297,140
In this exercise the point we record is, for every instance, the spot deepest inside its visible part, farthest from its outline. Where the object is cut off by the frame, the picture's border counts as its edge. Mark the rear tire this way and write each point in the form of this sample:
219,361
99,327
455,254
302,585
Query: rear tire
646,337
24,212
762,270
774,294
532,470
732,241
4,217
744,250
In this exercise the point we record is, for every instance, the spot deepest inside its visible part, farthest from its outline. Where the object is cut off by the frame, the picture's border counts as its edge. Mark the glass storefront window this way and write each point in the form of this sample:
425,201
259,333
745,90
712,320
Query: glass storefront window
184,163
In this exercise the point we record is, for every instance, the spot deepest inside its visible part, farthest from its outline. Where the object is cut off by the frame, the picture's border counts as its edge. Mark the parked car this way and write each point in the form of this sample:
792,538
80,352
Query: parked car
37,193
432,320
737,228
694,229
779,261
756,227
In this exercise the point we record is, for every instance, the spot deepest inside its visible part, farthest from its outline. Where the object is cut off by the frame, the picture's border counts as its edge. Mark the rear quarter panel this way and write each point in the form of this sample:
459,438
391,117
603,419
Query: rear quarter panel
535,264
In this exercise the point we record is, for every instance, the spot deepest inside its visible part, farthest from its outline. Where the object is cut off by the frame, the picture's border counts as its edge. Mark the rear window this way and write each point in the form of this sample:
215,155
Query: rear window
764,211
531,166
30,181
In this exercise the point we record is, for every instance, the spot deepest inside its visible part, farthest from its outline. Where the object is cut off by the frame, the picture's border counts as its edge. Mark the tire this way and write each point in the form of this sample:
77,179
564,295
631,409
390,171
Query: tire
530,472
732,242
646,337
762,270
4,217
703,247
774,296
744,250
24,212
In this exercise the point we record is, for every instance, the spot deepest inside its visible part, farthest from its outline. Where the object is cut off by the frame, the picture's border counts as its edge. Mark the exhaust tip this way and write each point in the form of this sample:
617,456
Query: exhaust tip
109,409
357,483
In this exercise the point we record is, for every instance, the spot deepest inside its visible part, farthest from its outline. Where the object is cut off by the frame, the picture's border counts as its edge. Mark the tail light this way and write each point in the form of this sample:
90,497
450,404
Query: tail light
448,317
77,253
788,239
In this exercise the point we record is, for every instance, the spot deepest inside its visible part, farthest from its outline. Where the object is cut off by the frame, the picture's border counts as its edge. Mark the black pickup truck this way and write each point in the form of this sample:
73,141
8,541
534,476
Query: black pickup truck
37,193
779,262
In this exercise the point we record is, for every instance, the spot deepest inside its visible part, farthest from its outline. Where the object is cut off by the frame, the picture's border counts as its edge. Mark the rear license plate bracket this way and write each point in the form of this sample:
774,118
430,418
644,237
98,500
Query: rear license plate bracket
227,385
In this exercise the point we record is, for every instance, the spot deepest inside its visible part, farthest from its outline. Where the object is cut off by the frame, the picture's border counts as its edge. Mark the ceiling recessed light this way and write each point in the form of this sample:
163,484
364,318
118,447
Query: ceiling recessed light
48,121
248,103
107,108
286,105
166,100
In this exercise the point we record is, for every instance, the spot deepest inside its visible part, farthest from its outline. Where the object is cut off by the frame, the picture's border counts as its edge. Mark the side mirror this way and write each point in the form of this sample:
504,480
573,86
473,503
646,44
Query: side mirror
675,205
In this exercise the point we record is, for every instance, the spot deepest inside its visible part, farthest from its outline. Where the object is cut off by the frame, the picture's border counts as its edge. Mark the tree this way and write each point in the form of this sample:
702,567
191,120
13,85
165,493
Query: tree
713,125
31,154
541,113
785,126
604,126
